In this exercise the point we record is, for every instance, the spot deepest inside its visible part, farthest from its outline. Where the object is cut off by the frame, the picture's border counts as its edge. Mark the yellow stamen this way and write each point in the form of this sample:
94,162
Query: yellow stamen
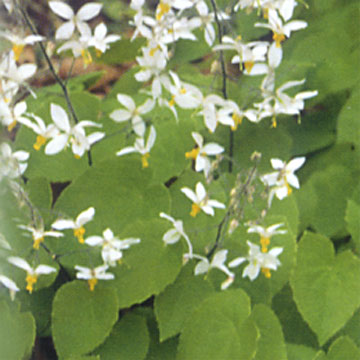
37,242
79,234
40,141
154,50
98,53
11,126
77,156
92,282
182,91
17,49
274,123
144,160
238,38
30,281
192,154
237,121
289,189
278,38
248,66
265,242
266,272
163,9
86,56
266,13
195,209
172,101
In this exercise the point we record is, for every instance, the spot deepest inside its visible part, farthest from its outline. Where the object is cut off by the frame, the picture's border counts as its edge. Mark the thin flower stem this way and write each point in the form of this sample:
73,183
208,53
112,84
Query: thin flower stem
52,69
224,77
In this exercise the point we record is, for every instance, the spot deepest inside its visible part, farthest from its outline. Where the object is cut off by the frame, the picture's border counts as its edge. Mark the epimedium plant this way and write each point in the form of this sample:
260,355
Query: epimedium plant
167,220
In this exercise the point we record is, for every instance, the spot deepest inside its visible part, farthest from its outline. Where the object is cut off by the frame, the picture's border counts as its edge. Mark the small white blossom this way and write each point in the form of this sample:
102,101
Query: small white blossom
32,274
93,275
12,164
133,113
10,284
201,200
201,152
100,41
141,148
218,262
38,234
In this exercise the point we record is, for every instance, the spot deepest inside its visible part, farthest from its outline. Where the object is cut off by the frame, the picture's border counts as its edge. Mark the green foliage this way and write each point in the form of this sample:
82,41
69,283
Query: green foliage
17,332
326,288
81,319
352,220
222,329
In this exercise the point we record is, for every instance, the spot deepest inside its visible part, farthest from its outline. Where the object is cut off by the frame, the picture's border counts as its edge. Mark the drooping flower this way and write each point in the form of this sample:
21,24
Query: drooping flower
78,225
12,164
258,261
141,148
32,274
38,234
201,152
218,262
201,200
10,284
112,247
93,275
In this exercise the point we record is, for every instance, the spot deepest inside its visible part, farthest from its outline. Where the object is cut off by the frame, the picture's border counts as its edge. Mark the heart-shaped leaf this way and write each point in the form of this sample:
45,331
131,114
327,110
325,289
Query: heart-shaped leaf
326,287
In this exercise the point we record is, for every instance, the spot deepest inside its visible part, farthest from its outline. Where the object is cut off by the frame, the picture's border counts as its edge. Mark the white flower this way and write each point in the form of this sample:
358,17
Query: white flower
100,41
93,275
280,30
32,274
258,260
266,234
12,164
200,153
9,4
8,283
78,225
218,261
133,113
19,42
141,148
111,246
85,13
71,135
173,235
201,200
44,132
38,234
9,115
281,179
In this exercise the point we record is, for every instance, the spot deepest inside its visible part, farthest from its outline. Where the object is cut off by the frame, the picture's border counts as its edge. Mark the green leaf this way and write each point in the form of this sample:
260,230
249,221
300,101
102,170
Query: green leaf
295,329
343,348
221,328
352,220
348,126
352,328
300,352
179,300
326,287
83,357
271,344
129,340
17,332
82,319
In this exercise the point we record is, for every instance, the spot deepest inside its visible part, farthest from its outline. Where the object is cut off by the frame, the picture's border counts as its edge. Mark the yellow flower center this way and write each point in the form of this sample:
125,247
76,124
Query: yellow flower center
92,282
40,141
195,209
144,160
172,101
278,38
248,66
266,272
182,91
77,156
98,52
266,13
37,242
17,49
79,234
163,9
192,154
11,126
238,38
30,281
289,189
86,56
154,50
265,242
274,122
237,121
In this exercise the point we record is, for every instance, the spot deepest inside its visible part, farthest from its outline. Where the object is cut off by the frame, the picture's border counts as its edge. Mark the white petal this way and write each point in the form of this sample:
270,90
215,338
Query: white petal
146,107
64,32
200,191
60,117
57,144
216,204
171,236
61,9
63,224
198,139
151,139
295,164
275,55
94,240
190,194
8,283
251,271
213,149
277,164
207,209
44,269
19,262
167,217
127,150
236,262
293,180
100,31
202,267
120,115
126,101
88,11
85,216
219,258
